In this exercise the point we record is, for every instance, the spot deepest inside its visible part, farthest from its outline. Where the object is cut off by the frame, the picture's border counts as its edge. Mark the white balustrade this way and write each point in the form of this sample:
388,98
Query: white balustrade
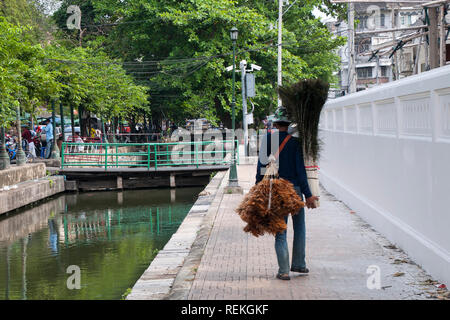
386,154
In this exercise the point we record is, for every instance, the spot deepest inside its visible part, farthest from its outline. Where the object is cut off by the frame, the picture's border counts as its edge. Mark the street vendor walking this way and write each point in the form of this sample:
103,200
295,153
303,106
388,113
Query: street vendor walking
292,168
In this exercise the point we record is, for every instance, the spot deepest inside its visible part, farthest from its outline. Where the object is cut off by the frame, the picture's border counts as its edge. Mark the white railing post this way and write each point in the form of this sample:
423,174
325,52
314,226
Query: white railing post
358,122
399,116
374,119
435,109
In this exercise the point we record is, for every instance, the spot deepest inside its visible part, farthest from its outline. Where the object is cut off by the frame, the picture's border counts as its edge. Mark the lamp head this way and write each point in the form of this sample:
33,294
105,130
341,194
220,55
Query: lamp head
234,34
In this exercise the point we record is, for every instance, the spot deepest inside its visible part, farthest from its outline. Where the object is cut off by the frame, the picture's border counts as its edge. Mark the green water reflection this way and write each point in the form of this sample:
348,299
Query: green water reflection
111,236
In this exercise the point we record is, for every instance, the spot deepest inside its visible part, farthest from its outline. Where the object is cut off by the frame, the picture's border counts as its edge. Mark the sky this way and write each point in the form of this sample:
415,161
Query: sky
323,17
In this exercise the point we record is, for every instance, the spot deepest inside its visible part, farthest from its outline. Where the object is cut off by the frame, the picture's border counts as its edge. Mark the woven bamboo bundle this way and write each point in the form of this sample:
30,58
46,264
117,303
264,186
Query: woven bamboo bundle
267,203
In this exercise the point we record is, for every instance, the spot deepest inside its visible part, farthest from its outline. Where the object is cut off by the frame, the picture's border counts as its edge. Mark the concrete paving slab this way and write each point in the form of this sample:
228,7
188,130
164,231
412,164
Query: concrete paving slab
343,252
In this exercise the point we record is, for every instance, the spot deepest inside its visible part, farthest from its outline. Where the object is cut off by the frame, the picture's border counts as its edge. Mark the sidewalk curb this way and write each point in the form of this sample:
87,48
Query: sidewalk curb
170,269
188,271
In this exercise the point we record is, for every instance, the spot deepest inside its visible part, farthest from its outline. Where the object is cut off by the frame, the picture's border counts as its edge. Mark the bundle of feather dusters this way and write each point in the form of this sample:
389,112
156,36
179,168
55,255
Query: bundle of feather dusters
266,205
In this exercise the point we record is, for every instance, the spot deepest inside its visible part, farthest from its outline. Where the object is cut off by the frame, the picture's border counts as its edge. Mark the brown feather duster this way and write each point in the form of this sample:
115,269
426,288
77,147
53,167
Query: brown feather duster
255,210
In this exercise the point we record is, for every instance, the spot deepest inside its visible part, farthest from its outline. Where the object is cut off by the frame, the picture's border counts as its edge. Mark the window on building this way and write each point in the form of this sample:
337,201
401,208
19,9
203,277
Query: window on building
403,20
363,46
362,22
384,71
382,20
364,73
409,20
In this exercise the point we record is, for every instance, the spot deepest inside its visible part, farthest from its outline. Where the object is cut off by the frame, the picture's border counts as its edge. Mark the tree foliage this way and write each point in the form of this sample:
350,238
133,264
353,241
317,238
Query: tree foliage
28,13
185,47
23,79
89,78
168,54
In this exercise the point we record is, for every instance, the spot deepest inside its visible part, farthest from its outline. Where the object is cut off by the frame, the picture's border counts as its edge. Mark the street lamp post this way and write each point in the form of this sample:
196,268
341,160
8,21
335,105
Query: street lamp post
233,185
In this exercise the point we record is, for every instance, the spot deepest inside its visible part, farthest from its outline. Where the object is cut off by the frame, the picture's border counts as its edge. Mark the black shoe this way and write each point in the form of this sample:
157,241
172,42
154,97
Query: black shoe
283,276
300,270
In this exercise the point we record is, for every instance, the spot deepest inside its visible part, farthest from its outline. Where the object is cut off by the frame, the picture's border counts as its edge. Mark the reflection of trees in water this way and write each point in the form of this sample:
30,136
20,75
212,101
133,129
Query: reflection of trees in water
112,223
113,246
24,248
8,271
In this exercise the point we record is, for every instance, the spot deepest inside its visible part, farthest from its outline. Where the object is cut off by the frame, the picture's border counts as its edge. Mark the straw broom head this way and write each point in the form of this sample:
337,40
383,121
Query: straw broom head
255,212
304,101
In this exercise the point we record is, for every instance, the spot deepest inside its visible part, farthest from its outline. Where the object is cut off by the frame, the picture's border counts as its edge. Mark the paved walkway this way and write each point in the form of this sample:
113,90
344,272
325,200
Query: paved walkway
340,248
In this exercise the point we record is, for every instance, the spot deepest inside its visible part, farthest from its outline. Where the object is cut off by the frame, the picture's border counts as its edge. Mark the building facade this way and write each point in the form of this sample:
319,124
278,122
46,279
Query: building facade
383,67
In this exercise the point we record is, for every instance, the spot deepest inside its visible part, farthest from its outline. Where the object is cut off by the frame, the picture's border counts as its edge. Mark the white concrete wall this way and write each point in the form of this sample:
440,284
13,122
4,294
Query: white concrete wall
386,154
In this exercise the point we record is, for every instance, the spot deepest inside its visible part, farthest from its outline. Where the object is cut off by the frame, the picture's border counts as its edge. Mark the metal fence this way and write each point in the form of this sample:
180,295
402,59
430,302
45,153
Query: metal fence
147,155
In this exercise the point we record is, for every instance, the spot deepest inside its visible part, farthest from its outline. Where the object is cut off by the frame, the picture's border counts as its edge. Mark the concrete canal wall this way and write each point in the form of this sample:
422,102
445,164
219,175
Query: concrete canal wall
15,175
20,186
158,280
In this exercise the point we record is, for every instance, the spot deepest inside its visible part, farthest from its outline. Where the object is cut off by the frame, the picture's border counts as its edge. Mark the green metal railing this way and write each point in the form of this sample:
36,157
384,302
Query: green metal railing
147,155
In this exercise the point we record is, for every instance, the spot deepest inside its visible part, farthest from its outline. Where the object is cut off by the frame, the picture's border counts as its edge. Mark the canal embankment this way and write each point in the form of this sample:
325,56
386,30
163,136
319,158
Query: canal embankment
24,185
182,252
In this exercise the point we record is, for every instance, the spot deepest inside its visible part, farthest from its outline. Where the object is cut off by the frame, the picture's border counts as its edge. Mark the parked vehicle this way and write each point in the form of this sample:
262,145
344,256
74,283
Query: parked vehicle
201,124
11,147
68,132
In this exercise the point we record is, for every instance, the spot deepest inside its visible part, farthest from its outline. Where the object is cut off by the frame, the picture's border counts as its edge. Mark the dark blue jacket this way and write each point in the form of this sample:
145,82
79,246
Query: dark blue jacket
291,165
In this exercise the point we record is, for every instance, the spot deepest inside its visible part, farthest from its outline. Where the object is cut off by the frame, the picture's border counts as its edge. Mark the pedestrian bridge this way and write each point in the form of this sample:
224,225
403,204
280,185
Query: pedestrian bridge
386,154
147,156
100,166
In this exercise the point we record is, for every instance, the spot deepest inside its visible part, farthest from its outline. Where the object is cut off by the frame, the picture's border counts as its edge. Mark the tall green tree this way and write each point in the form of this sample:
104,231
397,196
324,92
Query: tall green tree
24,81
185,46
91,80
28,13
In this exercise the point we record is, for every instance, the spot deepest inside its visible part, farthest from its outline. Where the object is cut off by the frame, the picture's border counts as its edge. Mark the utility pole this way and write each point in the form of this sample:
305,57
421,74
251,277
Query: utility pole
351,48
280,39
248,91
433,36
394,58
243,66
442,51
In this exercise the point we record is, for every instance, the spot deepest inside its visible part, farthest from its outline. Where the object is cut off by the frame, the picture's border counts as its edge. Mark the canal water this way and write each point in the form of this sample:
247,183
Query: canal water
112,237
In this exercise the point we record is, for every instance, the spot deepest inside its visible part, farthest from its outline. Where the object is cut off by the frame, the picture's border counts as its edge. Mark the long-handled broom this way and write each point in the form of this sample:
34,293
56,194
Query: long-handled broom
304,101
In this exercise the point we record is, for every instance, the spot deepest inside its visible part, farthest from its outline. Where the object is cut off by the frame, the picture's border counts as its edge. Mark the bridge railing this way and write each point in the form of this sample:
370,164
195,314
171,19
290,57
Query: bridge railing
147,155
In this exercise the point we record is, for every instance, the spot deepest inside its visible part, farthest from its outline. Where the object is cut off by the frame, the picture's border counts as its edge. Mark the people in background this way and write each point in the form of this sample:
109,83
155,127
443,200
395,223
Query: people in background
27,136
77,139
92,132
49,138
